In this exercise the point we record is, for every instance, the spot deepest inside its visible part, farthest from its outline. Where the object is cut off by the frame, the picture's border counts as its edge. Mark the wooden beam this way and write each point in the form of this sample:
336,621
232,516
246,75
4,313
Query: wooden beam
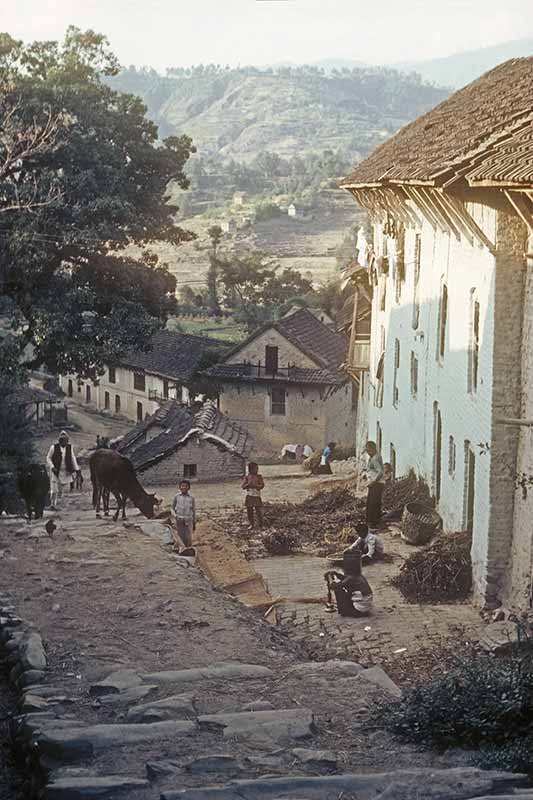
471,224
520,206
351,347
420,204
457,231
467,233
442,216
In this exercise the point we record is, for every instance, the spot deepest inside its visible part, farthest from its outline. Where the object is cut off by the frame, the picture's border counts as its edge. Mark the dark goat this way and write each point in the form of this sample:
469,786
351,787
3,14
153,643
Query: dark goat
34,484
113,473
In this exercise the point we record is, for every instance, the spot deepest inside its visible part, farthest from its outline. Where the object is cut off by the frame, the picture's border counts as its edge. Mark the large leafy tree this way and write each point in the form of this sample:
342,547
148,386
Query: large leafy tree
257,290
82,177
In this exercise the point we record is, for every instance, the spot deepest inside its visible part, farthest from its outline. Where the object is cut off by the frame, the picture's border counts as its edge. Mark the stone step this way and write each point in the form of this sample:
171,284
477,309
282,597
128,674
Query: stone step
86,787
223,671
429,784
70,744
174,707
282,724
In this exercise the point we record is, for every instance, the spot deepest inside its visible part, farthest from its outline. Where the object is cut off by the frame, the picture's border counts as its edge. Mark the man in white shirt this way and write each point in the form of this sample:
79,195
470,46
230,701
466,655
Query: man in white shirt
184,512
62,464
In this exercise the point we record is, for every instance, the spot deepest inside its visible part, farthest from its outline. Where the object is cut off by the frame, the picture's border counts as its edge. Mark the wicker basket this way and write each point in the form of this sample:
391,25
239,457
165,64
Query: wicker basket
419,523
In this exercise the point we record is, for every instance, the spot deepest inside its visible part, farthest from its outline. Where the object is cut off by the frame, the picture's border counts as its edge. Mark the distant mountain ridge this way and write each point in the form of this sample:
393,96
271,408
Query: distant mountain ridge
461,68
239,113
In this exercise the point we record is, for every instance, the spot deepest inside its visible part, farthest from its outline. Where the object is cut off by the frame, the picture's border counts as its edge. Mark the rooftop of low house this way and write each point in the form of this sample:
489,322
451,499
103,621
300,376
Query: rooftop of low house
326,348
482,134
172,355
177,424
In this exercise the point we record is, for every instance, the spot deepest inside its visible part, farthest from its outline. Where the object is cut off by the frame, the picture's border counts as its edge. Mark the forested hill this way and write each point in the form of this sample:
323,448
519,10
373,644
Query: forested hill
239,113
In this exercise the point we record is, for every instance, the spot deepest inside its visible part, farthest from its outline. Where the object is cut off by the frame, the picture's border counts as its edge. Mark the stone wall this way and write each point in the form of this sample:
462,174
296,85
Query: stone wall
313,415
212,463
518,583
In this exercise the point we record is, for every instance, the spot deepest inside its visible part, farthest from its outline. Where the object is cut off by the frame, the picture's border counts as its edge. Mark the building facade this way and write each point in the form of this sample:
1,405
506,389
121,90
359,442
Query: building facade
136,386
284,384
448,376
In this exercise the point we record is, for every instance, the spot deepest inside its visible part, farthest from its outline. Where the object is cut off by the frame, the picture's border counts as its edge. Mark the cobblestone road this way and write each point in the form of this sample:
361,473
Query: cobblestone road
394,626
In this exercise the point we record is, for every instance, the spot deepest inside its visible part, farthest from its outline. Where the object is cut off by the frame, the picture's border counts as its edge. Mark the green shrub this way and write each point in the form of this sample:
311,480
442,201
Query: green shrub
485,704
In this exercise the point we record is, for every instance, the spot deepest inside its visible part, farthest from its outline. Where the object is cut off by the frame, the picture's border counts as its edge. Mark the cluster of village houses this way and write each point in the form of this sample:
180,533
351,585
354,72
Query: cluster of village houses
432,357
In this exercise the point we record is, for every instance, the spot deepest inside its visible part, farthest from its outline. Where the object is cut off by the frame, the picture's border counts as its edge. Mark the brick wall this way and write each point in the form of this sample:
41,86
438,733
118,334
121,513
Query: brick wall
518,582
212,464
506,401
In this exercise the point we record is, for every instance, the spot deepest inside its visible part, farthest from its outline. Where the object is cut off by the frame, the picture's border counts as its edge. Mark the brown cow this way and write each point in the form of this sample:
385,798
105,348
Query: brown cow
111,472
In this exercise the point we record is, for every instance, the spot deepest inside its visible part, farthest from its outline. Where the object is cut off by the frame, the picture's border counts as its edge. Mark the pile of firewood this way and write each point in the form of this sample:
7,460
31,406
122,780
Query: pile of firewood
440,573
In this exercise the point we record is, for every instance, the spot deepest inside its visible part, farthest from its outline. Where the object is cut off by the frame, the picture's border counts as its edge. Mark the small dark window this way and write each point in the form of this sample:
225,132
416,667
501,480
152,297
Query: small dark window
107,401
414,374
139,412
190,470
393,461
416,295
443,321
88,393
475,346
112,375
80,386
278,401
117,404
396,391
70,389
139,381
379,437
165,389
271,360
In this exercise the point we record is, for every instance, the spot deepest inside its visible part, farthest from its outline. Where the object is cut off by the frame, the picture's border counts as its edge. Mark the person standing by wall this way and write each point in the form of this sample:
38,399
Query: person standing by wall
62,464
252,484
376,484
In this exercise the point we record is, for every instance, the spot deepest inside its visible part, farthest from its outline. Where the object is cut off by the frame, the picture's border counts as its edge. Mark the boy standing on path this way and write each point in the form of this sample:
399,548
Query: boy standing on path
184,511
253,483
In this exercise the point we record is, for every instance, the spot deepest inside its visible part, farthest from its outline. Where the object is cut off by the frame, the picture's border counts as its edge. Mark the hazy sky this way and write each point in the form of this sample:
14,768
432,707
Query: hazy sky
165,33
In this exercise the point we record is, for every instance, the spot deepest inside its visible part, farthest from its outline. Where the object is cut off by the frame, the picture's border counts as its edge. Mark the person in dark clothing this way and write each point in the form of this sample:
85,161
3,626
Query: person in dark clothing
63,466
375,486
324,467
353,593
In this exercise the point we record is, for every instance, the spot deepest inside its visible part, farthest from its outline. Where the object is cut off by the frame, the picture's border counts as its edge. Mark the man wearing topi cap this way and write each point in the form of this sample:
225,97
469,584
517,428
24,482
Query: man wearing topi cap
62,463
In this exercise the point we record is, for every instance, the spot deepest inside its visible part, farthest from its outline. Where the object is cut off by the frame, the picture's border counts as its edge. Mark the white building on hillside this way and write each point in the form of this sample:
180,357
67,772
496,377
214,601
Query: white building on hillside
449,378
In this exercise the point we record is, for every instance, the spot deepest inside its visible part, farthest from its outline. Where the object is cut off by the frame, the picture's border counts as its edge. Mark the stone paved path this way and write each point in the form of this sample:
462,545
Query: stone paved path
156,685
395,624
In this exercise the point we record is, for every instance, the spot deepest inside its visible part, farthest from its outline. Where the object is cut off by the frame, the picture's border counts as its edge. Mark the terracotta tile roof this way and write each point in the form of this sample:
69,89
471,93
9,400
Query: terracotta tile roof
25,395
172,355
483,132
177,423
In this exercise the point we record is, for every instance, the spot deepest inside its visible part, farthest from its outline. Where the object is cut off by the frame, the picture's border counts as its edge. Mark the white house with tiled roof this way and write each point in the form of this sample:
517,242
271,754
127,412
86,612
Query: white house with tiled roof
136,386
448,376
285,385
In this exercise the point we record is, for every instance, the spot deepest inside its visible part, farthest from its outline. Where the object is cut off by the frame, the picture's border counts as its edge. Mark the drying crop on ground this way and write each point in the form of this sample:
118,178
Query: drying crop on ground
323,523
438,574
